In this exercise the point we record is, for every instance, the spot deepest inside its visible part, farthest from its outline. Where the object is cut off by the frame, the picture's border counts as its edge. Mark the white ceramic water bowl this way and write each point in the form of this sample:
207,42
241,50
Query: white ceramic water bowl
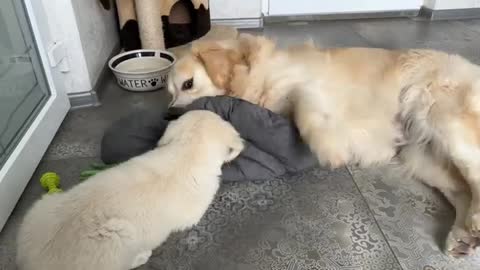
142,70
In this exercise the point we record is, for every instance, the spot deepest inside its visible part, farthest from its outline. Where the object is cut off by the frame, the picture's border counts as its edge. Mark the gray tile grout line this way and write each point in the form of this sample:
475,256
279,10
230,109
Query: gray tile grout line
371,44
367,41
374,218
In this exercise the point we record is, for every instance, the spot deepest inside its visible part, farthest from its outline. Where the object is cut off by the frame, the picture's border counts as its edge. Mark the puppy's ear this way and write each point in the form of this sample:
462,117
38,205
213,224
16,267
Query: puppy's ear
235,149
218,63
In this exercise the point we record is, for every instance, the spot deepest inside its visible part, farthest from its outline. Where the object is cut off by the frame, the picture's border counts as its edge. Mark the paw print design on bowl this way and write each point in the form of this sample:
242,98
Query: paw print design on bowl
153,82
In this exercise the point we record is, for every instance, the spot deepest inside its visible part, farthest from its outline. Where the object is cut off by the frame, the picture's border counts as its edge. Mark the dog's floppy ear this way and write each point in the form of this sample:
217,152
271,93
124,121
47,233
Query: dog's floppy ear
218,62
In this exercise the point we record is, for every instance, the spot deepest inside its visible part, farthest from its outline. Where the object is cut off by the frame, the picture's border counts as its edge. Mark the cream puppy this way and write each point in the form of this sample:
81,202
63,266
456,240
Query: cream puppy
114,220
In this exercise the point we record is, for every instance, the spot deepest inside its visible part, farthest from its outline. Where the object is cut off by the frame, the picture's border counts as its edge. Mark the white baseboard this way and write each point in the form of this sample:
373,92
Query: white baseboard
83,100
341,16
240,23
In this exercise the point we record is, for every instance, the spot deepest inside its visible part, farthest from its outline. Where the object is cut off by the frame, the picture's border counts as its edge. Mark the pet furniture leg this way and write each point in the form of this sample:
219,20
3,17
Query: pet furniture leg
127,19
150,23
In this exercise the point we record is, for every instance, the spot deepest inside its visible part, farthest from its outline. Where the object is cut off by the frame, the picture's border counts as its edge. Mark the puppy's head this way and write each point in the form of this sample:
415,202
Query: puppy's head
205,132
206,71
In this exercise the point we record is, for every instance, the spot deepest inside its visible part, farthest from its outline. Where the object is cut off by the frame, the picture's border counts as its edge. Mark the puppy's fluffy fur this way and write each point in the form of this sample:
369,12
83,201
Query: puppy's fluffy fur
114,220
363,106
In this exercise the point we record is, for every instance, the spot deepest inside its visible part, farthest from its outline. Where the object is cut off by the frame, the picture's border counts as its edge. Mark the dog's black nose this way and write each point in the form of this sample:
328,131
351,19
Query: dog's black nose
174,113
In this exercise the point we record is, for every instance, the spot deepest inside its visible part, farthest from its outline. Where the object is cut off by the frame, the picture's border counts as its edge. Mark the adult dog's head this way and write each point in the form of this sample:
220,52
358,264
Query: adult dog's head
205,71
212,66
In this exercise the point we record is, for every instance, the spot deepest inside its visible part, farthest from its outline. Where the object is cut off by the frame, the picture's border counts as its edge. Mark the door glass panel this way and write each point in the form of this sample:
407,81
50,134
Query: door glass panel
22,87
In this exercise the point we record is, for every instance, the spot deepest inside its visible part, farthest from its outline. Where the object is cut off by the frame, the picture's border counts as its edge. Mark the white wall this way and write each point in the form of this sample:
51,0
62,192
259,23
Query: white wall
235,9
63,28
451,4
89,35
98,34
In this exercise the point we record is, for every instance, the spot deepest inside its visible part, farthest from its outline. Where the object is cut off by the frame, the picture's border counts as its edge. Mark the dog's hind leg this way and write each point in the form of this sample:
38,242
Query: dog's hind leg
465,151
460,241
448,113
441,174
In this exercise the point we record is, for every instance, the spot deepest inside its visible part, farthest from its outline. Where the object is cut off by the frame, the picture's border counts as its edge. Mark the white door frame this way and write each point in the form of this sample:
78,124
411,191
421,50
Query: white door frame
22,162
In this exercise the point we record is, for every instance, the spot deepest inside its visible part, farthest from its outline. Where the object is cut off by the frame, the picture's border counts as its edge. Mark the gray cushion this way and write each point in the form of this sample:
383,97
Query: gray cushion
273,145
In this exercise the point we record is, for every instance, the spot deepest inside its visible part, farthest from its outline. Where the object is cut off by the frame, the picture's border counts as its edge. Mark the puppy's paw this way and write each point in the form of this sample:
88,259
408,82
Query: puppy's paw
460,243
141,259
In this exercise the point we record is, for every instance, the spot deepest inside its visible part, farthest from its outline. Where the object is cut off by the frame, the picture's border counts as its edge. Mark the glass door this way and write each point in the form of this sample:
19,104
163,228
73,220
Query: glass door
22,87
31,109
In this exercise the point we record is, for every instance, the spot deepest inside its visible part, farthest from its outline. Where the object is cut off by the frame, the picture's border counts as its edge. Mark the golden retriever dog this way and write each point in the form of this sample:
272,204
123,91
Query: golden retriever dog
360,105
114,220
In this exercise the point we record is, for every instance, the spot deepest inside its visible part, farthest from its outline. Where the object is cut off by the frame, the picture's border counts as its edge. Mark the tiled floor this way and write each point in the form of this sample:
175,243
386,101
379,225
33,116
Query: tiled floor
344,219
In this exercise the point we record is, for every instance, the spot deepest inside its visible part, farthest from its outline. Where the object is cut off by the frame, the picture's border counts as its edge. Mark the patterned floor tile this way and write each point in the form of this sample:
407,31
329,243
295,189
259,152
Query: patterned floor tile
414,218
314,220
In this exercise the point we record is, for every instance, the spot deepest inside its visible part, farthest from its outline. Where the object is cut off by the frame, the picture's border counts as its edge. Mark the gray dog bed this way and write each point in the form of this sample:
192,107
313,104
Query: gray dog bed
273,145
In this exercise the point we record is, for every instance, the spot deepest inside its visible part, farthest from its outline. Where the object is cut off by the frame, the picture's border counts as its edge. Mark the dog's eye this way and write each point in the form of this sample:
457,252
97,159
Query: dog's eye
187,85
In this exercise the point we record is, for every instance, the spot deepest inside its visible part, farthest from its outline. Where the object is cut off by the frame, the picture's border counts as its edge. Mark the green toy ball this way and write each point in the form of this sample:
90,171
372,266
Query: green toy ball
50,181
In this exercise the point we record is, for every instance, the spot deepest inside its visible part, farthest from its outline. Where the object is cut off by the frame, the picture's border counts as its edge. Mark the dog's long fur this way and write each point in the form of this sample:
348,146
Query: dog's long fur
363,106
114,220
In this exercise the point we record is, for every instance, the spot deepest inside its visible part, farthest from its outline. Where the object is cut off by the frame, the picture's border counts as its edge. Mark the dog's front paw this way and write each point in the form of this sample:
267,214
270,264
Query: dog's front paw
473,223
460,243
